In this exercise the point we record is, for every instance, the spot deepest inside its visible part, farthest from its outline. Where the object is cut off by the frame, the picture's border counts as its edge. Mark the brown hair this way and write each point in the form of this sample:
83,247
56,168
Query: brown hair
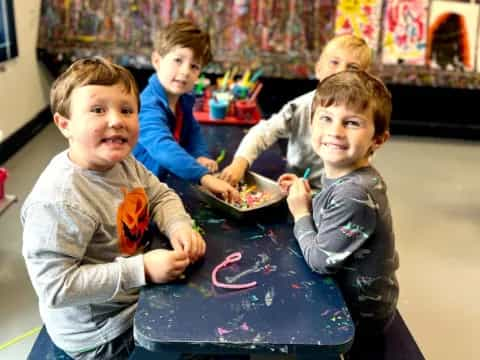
353,43
358,90
88,71
184,33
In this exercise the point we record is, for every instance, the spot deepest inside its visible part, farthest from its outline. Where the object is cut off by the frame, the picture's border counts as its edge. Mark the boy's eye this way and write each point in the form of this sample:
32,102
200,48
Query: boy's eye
353,67
324,118
127,110
334,62
177,60
97,109
195,67
352,123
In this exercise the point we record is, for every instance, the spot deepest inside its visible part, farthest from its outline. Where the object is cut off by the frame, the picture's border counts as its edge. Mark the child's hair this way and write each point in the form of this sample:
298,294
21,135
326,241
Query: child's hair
184,33
359,91
88,71
357,45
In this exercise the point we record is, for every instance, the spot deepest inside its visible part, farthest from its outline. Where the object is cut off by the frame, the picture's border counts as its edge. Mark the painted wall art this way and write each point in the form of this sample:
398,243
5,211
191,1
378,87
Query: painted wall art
405,32
361,18
284,37
452,35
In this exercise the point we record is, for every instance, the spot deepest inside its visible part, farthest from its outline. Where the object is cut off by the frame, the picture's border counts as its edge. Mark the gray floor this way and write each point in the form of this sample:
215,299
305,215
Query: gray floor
434,192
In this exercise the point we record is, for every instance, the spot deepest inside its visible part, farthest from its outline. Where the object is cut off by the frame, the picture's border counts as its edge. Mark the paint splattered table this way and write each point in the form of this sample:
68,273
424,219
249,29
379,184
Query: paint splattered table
290,311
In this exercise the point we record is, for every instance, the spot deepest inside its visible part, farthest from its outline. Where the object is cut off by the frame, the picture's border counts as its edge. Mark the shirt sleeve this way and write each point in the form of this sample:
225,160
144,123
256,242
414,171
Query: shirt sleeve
157,139
263,135
55,239
343,225
196,144
166,207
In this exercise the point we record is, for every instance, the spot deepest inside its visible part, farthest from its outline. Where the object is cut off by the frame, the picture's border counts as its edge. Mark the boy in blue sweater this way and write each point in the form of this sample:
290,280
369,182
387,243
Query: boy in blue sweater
170,138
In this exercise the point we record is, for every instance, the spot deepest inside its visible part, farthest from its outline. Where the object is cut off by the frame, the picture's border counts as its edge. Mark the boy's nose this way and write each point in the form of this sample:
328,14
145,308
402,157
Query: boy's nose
335,129
115,120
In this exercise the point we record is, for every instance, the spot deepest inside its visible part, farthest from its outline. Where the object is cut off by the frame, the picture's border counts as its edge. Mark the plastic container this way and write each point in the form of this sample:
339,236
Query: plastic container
218,109
240,92
245,109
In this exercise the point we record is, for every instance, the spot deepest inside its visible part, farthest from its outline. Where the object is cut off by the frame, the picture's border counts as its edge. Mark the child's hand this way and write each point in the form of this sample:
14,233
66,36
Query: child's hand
210,164
235,172
220,187
300,198
285,181
164,265
190,241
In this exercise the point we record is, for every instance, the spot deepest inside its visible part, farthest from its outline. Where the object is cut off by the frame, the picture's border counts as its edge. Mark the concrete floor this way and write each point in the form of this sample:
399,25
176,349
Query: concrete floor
434,191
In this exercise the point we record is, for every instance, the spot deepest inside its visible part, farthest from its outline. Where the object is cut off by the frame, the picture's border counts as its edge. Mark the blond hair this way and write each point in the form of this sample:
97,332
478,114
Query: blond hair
359,91
184,33
353,43
88,71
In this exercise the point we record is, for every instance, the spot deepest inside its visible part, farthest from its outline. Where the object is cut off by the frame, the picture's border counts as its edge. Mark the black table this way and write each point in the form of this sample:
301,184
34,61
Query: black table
291,310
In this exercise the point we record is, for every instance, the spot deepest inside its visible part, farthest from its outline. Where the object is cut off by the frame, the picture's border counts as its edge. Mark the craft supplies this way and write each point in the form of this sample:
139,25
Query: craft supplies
230,259
306,173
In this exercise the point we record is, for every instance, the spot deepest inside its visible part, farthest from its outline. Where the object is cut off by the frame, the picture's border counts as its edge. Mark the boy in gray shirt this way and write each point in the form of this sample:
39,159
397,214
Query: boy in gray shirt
86,217
346,231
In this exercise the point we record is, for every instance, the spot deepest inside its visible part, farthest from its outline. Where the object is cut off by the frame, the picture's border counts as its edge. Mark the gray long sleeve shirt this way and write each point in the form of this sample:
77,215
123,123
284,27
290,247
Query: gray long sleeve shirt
351,237
87,289
292,123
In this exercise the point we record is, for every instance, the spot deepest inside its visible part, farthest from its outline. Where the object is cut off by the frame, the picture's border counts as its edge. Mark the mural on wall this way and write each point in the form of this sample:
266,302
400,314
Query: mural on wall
405,32
417,42
361,18
452,35
284,37
8,37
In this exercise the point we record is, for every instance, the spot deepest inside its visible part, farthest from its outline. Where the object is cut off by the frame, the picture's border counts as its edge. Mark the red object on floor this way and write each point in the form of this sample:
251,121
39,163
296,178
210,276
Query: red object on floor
3,178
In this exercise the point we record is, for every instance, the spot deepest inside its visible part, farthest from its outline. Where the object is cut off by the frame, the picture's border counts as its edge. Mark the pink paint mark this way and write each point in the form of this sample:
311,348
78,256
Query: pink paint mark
325,312
296,286
222,331
244,327
267,269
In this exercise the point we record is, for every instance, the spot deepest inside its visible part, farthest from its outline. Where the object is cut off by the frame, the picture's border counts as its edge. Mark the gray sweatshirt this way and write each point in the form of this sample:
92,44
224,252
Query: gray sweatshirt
87,289
292,123
351,237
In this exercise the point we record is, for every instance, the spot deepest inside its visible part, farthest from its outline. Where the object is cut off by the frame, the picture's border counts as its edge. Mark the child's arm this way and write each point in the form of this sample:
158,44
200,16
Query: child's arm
55,241
259,138
170,216
157,139
342,224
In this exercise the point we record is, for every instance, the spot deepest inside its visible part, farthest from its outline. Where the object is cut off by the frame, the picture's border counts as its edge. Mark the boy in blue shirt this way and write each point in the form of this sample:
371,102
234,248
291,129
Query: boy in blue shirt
346,231
170,138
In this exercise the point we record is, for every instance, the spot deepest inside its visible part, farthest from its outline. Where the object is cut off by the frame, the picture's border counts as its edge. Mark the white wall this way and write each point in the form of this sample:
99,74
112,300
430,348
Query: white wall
24,83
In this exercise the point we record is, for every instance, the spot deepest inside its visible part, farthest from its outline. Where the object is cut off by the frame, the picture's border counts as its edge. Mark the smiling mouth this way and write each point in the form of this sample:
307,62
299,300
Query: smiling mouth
335,146
115,140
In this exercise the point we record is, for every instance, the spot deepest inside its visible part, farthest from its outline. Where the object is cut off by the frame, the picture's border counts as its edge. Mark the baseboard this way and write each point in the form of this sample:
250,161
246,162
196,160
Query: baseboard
14,142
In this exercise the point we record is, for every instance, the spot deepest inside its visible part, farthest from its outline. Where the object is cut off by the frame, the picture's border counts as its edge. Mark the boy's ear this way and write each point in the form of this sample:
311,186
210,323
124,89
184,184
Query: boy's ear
156,58
62,124
379,140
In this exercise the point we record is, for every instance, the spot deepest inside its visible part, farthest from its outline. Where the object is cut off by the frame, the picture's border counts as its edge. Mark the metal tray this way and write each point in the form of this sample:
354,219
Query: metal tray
251,178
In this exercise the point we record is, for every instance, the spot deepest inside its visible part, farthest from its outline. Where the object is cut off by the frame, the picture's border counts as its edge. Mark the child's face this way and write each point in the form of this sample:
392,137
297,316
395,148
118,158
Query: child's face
177,70
344,139
103,125
337,59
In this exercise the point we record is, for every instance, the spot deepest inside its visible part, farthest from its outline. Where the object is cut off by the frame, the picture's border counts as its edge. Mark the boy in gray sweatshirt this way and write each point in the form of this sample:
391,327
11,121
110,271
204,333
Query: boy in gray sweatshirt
347,231
85,221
